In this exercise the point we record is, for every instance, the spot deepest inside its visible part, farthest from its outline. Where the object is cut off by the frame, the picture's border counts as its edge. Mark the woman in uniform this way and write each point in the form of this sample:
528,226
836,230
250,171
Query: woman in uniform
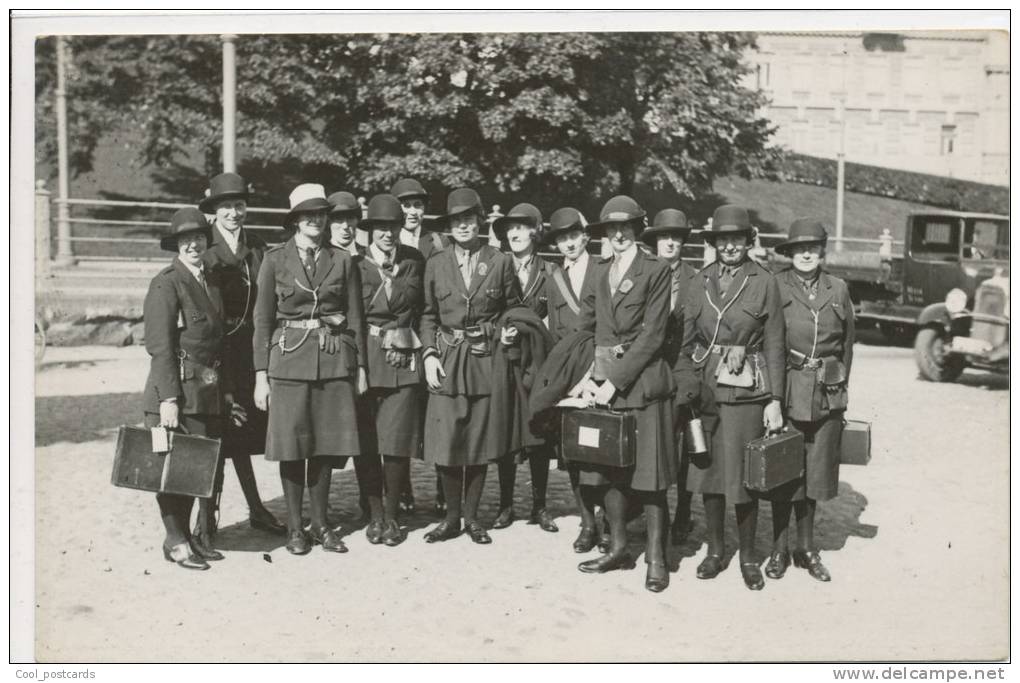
344,217
468,286
819,340
309,349
666,236
734,333
521,230
628,310
184,333
391,409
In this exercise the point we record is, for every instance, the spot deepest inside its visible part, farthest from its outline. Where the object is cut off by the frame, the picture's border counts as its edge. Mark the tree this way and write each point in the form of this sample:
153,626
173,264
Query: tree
563,117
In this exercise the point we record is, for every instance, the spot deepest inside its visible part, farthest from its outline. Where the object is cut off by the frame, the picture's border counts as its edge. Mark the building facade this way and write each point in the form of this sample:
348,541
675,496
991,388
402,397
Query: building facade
929,102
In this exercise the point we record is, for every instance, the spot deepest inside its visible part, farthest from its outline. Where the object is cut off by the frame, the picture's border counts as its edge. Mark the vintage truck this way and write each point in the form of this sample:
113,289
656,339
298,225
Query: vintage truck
949,290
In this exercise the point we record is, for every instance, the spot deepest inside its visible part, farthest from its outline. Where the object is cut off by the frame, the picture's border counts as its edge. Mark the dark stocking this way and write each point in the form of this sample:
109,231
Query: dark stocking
780,525
246,477
538,460
747,525
440,488
397,474
805,510
474,482
507,477
292,478
715,513
616,513
656,511
368,469
453,484
319,476
584,502
176,513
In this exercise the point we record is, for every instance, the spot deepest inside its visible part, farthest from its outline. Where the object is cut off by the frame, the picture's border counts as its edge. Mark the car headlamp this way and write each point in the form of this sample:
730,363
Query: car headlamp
956,300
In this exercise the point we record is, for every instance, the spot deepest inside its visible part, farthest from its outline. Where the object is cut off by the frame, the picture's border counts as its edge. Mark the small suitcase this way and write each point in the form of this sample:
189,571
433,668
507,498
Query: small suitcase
855,446
772,461
187,469
598,437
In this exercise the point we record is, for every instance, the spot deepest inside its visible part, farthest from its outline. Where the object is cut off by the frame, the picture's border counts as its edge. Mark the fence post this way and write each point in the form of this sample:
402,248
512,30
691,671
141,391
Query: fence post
492,218
65,257
42,230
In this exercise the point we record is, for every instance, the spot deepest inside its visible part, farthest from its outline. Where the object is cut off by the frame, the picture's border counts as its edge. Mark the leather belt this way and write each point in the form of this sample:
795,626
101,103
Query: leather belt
720,349
304,324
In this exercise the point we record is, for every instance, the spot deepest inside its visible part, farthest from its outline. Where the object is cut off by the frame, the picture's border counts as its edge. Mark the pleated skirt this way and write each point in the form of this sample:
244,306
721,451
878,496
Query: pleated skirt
455,430
721,470
312,419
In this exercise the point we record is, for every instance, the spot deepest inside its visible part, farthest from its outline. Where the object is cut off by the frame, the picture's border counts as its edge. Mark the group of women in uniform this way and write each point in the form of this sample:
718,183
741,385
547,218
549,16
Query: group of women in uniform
441,348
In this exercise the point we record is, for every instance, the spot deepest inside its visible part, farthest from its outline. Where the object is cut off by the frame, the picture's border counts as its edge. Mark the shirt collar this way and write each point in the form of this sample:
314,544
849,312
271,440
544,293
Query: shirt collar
413,235
627,256
463,252
198,272
378,255
581,260
232,237
522,263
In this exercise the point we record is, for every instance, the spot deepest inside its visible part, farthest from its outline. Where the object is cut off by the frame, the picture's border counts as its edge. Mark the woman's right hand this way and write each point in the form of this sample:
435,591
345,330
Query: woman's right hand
168,415
434,373
261,395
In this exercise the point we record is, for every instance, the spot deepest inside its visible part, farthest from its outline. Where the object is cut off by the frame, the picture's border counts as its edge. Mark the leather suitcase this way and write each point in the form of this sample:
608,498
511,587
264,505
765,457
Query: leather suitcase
855,446
187,469
598,437
772,461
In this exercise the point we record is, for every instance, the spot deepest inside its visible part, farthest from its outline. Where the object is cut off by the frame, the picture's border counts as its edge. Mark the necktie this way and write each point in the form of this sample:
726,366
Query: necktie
465,267
310,261
726,274
615,275
674,290
387,274
200,276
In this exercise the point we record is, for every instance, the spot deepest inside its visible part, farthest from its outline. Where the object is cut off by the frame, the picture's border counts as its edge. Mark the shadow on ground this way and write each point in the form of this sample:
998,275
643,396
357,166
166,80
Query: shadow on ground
78,419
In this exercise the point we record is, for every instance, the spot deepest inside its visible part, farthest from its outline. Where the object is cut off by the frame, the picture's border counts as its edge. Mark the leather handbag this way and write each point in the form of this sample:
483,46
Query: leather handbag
771,461
188,468
598,437
855,445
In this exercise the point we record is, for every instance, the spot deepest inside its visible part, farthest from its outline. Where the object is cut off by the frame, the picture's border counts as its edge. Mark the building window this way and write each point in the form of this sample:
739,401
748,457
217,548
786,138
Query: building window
948,139
763,73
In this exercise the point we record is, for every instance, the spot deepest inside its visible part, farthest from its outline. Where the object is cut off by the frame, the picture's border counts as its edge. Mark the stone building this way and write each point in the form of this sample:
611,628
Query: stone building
931,102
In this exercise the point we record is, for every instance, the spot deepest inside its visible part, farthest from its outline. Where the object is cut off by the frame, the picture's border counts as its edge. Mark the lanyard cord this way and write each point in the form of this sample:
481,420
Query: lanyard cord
311,316
718,321
247,300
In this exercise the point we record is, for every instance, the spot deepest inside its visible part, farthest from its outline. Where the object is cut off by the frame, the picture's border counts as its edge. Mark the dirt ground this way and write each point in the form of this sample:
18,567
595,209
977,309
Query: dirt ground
917,543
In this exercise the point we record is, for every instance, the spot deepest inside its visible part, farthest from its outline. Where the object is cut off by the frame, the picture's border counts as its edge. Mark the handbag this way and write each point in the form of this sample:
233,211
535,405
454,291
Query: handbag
855,443
771,461
598,437
187,468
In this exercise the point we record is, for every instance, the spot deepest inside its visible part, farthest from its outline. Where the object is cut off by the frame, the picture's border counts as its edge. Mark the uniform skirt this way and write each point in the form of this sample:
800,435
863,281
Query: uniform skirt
655,461
198,425
455,430
721,470
390,420
309,419
822,441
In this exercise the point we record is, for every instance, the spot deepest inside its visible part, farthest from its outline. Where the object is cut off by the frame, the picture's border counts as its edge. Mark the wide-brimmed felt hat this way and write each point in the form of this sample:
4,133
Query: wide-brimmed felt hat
564,220
666,222
408,188
728,219
619,209
185,222
462,200
343,203
383,211
223,186
803,231
522,213
304,198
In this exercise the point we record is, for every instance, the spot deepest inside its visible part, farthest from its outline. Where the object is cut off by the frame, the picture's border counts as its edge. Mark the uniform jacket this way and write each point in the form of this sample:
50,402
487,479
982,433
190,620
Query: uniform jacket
286,293
835,317
427,243
534,294
636,317
688,383
181,316
562,319
237,275
449,305
754,319
401,311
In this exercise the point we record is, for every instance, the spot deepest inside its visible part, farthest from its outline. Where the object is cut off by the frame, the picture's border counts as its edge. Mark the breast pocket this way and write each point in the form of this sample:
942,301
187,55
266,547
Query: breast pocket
284,292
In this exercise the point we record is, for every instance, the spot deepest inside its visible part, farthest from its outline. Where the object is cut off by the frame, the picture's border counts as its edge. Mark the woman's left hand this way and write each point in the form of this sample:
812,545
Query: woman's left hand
362,381
508,335
238,415
773,416
605,393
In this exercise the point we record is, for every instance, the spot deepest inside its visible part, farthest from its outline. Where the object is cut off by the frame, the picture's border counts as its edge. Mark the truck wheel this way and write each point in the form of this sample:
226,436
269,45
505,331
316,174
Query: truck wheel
932,360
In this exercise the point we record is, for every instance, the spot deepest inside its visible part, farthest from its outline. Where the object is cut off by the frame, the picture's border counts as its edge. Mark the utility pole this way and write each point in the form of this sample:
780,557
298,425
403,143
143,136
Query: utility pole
840,174
229,102
65,257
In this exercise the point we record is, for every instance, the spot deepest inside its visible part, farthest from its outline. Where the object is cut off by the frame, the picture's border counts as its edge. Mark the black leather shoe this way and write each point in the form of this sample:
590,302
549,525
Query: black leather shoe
505,518
813,563
328,538
710,567
680,530
585,540
298,543
607,563
203,548
374,531
392,535
477,533
184,557
443,531
657,576
544,520
752,575
406,502
263,520
777,565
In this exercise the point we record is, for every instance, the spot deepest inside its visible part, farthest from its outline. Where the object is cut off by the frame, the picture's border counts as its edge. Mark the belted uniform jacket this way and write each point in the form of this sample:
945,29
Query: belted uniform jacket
688,384
832,304
287,293
635,317
181,316
535,294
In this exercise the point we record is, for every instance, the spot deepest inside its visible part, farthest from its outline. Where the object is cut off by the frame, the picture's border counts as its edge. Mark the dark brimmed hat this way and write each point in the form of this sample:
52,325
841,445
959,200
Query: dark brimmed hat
619,209
383,211
666,222
408,188
728,219
460,201
223,186
343,203
304,198
804,231
522,213
185,222
564,220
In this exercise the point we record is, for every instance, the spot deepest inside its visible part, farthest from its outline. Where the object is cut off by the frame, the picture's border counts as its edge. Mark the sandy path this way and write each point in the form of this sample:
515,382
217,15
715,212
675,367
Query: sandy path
902,541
